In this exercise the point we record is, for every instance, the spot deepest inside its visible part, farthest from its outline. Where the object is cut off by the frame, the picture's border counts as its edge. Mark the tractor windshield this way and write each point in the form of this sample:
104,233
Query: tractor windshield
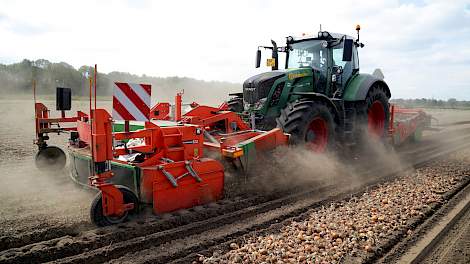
309,53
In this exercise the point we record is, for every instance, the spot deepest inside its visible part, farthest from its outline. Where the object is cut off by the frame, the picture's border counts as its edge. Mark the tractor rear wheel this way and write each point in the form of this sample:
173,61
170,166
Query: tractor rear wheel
310,123
376,115
50,158
96,211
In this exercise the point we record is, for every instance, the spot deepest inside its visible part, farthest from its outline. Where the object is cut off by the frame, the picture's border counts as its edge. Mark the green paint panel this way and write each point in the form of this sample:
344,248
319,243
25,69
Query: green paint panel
303,83
249,154
119,127
418,134
359,85
249,149
353,87
125,174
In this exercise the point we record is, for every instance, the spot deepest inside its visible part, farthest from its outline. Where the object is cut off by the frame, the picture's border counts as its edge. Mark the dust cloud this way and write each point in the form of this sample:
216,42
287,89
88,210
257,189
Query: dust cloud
32,199
371,158
298,167
295,166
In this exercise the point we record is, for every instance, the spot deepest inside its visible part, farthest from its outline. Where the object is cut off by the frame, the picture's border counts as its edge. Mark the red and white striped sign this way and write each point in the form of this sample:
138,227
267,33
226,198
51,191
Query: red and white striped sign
131,101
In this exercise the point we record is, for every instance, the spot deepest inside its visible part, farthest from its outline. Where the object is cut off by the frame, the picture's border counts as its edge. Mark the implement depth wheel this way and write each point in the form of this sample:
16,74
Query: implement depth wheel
96,210
50,158
310,123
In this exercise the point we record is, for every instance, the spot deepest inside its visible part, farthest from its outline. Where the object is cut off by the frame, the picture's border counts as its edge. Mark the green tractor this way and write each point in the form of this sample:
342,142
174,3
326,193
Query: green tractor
320,98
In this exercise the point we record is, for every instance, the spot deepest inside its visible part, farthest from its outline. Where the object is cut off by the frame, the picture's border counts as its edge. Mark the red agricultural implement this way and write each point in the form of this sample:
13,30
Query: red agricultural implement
157,162
407,124
163,163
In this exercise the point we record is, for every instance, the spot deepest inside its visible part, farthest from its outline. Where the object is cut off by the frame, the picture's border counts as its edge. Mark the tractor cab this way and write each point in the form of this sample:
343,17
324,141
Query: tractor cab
332,58
321,64
330,55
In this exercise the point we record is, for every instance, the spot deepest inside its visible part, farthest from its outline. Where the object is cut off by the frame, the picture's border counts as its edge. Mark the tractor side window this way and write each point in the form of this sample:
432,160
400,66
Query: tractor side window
355,59
338,57
347,66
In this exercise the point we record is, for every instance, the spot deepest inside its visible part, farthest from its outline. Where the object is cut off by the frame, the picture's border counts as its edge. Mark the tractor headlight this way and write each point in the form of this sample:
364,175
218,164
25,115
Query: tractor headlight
260,103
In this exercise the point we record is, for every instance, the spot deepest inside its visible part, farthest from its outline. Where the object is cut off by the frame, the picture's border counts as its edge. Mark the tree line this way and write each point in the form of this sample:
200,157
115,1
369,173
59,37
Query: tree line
451,103
17,78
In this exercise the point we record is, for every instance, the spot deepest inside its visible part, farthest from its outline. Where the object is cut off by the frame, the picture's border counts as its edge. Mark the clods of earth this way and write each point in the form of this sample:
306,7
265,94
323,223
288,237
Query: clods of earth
353,229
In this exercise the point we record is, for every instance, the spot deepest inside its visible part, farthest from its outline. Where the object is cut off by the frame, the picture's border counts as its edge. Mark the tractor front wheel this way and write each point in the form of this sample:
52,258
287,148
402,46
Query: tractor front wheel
310,123
96,211
50,158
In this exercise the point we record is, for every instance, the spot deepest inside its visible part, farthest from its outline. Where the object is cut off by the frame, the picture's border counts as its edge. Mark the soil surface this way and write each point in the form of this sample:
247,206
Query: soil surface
454,247
37,206
33,200
355,230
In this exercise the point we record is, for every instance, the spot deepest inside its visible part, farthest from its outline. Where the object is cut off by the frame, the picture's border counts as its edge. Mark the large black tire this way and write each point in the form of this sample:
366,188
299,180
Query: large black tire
310,123
50,158
96,210
375,114
235,104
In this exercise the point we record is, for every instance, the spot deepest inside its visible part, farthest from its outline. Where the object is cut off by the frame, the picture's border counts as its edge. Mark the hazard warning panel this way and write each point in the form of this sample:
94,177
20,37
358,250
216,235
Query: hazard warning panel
131,101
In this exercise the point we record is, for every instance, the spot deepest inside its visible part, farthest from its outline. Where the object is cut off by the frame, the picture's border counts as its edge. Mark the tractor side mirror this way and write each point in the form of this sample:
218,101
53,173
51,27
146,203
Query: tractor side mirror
347,50
275,56
258,58
63,99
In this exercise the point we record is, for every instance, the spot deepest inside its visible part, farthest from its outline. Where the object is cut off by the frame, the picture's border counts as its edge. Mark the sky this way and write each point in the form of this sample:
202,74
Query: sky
422,46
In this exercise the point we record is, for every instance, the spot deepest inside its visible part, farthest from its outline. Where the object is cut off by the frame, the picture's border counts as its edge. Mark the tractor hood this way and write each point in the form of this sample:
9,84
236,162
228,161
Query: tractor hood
258,86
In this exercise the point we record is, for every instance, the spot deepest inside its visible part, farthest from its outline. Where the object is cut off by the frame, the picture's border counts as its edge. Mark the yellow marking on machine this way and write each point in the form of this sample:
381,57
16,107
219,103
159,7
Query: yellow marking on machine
292,76
270,62
232,153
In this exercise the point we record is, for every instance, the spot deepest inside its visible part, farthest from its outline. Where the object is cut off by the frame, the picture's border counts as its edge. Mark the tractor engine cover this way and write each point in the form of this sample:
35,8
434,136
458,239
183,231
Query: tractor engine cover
186,190
258,87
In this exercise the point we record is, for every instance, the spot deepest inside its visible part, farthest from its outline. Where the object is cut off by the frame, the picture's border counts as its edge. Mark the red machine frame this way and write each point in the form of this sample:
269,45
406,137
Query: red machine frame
175,174
405,122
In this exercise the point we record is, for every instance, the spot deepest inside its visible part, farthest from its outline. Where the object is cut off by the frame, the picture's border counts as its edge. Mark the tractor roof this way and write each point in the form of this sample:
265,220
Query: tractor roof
318,36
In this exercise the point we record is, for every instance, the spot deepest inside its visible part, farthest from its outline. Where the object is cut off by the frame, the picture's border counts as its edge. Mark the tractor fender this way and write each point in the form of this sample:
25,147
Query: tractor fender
323,98
359,85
